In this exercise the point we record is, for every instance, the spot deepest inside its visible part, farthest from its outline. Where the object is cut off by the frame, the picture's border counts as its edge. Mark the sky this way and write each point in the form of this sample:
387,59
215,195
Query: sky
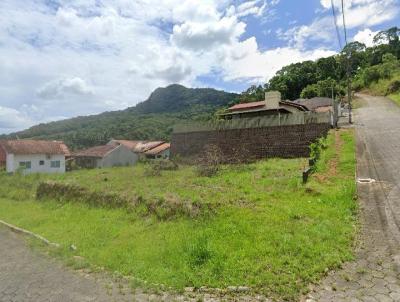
66,58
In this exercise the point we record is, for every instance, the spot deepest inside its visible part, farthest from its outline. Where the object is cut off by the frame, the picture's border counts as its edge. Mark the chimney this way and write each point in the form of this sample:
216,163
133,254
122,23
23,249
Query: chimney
272,99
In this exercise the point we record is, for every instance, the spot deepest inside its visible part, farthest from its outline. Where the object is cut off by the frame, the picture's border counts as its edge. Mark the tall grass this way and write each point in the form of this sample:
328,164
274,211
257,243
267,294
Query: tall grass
269,231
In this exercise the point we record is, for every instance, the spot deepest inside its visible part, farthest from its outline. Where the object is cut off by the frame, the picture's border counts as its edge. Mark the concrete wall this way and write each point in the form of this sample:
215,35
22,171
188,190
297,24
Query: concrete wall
13,163
252,143
120,156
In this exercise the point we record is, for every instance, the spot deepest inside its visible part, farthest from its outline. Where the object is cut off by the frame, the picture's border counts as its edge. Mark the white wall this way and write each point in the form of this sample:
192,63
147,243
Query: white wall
10,163
120,156
14,160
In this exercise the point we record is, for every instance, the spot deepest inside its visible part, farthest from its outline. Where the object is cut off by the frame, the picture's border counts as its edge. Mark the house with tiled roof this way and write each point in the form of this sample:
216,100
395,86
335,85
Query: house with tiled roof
33,156
272,105
106,156
162,151
145,149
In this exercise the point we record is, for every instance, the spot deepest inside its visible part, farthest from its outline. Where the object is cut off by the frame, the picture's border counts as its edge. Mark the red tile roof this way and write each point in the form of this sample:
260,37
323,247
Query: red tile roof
98,151
139,146
262,104
158,149
27,146
251,105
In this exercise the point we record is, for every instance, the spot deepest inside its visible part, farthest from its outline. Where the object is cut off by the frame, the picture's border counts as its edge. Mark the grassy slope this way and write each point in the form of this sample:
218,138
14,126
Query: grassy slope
273,233
380,88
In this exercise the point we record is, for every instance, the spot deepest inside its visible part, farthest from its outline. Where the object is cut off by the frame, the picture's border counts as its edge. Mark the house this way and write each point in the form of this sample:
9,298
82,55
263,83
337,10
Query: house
160,152
107,156
33,156
143,148
317,104
272,105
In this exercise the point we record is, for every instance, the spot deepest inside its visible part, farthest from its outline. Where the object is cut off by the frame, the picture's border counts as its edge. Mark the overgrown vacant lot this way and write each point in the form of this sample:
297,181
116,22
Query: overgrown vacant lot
262,228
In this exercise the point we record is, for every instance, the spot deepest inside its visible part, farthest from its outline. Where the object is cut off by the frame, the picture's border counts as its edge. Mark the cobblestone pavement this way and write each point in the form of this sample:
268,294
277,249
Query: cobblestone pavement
374,275
27,275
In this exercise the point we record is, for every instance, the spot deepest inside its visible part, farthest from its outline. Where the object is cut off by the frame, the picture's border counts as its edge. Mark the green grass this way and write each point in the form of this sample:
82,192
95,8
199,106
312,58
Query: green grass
395,97
269,231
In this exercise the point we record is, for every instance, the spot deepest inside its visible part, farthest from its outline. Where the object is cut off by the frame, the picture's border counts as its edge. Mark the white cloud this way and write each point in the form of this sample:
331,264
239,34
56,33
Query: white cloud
78,57
12,119
365,36
358,13
200,36
64,88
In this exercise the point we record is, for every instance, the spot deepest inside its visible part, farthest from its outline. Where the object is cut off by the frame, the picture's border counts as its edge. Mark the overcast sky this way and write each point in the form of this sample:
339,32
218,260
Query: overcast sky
63,58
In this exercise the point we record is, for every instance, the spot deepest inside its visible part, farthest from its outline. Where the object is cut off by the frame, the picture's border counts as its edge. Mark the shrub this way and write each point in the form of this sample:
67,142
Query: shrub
155,167
393,87
209,162
316,150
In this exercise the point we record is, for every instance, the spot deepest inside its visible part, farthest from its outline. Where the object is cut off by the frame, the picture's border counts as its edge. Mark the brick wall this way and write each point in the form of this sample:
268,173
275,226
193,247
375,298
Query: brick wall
253,143
2,157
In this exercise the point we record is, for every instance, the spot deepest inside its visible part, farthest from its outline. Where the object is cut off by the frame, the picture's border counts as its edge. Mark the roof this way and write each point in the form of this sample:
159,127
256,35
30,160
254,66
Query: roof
158,149
314,103
261,106
28,146
98,151
139,146
251,105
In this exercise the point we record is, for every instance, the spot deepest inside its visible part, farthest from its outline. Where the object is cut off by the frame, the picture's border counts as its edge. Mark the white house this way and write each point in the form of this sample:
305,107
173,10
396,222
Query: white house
105,157
33,156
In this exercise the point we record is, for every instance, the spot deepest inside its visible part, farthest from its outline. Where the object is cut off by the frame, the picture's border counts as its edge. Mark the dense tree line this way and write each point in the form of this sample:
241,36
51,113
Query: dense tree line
326,75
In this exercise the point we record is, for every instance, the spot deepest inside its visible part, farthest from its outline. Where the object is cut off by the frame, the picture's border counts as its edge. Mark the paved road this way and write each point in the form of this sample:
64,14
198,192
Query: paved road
27,276
374,276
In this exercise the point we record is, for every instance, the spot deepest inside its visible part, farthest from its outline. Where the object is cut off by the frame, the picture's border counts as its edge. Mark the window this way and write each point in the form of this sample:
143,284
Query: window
41,163
55,164
25,164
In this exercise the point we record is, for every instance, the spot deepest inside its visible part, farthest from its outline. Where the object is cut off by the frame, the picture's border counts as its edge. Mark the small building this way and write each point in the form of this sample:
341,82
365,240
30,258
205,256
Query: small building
33,156
272,105
143,148
160,152
106,156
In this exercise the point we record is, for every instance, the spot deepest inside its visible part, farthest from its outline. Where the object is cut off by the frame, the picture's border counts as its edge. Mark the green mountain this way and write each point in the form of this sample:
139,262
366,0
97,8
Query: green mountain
152,119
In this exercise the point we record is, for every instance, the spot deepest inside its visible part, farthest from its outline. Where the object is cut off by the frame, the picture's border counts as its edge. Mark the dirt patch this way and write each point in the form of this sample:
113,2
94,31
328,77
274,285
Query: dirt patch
334,161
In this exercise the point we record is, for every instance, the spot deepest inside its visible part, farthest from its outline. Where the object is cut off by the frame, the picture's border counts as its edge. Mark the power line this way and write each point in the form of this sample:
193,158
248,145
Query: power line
344,23
336,25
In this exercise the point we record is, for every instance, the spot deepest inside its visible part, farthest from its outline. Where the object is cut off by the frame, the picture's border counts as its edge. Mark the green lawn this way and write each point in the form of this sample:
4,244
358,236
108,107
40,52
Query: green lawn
268,231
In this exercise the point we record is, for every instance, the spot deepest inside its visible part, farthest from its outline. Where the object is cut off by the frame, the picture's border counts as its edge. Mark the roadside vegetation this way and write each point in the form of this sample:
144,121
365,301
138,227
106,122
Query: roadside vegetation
254,225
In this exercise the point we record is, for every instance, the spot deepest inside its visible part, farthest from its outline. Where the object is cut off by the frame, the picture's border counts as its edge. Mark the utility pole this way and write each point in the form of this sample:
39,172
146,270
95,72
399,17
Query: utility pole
348,59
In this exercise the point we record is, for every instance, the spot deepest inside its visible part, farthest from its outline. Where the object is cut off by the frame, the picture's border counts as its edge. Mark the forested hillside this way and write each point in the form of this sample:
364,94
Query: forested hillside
152,119
308,79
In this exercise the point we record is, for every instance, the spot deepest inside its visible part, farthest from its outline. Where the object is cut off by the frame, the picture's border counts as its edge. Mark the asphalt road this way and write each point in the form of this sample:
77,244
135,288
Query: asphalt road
374,276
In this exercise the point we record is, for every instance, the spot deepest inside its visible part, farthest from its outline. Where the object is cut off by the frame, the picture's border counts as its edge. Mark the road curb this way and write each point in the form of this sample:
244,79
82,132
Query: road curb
25,232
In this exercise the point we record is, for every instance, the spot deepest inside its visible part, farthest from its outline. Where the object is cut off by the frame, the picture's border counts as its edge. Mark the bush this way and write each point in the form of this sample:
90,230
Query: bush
209,162
393,87
316,150
155,167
